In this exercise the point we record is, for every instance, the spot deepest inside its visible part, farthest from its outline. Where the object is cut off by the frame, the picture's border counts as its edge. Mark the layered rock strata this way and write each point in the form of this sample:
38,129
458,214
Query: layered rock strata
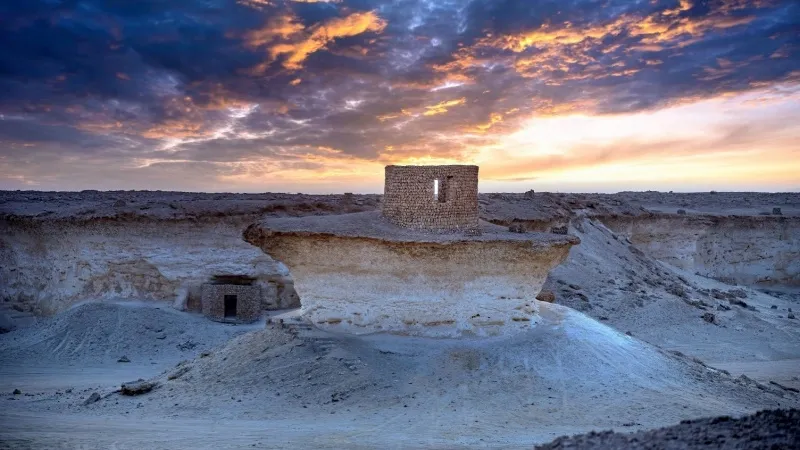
46,266
739,249
359,273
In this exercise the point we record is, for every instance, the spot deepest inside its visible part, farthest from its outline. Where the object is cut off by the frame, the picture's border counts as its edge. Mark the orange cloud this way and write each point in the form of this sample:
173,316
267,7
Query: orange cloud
443,107
100,127
656,31
213,98
283,27
177,129
391,116
567,52
285,35
493,119
684,5
546,37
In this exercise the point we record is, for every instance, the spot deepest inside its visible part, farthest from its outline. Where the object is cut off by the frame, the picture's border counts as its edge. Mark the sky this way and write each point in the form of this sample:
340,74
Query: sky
317,96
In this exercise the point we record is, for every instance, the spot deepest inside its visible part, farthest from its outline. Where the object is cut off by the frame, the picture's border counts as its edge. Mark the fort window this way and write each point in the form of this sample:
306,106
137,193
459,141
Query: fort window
230,305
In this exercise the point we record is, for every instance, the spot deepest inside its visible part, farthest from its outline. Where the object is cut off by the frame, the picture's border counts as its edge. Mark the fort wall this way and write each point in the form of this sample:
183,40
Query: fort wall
247,300
432,197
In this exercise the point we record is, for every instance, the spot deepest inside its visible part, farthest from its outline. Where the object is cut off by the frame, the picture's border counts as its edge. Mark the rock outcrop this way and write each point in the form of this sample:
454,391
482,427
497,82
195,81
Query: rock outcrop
48,265
741,249
359,273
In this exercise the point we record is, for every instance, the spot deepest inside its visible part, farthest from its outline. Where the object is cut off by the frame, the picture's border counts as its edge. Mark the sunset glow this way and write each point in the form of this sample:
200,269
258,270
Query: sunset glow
317,96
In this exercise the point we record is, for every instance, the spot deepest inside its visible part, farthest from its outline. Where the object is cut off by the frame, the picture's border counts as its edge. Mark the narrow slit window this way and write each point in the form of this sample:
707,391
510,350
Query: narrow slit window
436,189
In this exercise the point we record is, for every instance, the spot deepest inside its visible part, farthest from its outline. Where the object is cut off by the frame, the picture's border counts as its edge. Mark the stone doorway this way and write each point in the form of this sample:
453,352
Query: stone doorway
230,306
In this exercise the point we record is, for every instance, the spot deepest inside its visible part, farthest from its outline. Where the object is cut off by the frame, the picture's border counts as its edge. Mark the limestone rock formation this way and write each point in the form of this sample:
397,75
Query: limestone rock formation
360,273
47,266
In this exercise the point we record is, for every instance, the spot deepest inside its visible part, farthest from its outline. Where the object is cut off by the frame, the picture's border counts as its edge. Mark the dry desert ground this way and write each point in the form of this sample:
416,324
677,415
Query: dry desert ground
654,308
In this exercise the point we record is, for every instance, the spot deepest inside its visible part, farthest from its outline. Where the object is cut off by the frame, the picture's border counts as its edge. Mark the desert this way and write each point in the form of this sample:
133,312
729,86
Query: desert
639,317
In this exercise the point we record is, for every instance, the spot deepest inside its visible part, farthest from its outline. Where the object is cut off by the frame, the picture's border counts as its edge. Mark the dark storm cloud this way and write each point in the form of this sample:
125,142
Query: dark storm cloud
254,80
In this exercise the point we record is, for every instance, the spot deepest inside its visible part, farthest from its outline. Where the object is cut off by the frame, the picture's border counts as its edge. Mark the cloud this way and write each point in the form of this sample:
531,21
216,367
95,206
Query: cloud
217,86
286,36
443,107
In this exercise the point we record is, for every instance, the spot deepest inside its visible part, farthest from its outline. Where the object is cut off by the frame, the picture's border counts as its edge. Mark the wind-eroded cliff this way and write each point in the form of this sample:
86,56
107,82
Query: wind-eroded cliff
48,265
442,286
741,249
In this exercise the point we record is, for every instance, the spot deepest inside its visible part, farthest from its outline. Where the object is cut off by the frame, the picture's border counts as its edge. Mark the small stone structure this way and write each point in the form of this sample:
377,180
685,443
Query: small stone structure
432,197
232,299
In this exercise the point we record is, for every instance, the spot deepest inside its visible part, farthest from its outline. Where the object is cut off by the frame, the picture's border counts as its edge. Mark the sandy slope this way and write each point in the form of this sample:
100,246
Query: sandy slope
306,387
609,279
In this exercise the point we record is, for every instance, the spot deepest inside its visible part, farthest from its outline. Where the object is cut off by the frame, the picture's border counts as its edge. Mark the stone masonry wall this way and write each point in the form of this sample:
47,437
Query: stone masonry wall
248,302
409,199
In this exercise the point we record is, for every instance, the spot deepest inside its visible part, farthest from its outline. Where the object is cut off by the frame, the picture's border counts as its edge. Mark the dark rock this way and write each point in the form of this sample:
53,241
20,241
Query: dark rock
138,387
764,430
678,290
709,317
546,296
737,302
188,345
635,251
94,398
124,359
738,293
682,212
773,307
559,230
697,303
790,316
776,212
516,228
17,392
720,295
6,322
179,372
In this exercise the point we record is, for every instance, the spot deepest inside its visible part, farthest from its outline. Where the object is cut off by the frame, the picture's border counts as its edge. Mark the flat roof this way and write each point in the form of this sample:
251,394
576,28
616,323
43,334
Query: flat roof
372,224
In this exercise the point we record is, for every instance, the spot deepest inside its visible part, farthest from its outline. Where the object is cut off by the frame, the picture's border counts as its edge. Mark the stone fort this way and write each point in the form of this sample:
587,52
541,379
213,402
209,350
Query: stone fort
443,198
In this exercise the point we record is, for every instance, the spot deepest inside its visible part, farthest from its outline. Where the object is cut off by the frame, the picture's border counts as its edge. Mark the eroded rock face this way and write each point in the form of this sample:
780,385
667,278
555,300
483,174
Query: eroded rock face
745,250
47,266
435,288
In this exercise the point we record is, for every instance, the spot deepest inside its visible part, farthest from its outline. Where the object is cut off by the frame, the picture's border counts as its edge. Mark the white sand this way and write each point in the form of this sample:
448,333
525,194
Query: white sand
317,389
